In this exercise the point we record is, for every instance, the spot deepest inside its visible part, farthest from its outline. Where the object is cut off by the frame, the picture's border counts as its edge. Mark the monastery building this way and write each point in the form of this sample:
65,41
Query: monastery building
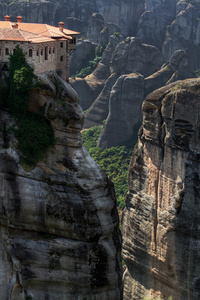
45,47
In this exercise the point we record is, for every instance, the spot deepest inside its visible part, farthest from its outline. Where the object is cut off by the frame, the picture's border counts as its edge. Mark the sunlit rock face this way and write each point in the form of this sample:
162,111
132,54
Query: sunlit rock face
59,236
161,220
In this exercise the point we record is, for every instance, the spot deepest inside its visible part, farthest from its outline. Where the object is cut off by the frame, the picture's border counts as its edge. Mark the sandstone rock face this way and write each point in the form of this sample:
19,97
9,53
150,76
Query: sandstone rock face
162,217
59,237
96,25
91,86
85,51
183,33
153,22
124,13
133,56
124,110
108,30
98,111
177,69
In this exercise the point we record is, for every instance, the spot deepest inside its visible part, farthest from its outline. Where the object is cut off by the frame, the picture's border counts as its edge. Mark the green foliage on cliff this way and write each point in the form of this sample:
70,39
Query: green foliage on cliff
33,132
35,135
114,161
89,69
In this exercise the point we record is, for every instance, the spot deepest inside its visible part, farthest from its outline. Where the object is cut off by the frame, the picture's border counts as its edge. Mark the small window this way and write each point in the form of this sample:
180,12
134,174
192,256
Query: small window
0,51
37,53
14,50
42,51
50,50
30,52
46,53
53,49
61,44
6,51
61,58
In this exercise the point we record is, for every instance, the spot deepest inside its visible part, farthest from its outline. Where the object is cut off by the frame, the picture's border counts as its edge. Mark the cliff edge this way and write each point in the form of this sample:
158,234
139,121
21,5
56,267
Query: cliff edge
59,236
161,220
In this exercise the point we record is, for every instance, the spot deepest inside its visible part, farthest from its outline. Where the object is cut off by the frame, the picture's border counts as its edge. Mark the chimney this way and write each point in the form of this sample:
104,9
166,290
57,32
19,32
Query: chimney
14,26
7,18
61,25
19,19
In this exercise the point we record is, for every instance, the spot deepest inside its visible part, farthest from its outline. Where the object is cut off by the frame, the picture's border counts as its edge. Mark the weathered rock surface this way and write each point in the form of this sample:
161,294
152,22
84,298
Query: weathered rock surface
59,236
91,86
85,51
177,69
124,110
154,21
183,33
161,220
76,12
96,25
132,56
98,111
109,29
117,112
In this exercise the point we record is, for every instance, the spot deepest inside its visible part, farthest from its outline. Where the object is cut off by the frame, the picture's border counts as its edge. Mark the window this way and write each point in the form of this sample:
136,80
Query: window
46,53
6,51
61,58
0,51
61,44
50,50
53,49
30,52
14,50
73,41
42,51
37,53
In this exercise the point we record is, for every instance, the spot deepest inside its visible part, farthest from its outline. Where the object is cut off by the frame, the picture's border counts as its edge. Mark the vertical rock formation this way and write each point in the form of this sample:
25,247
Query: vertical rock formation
161,220
183,33
124,110
59,236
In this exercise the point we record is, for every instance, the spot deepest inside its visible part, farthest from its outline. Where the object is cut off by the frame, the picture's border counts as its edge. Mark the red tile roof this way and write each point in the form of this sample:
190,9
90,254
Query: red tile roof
33,32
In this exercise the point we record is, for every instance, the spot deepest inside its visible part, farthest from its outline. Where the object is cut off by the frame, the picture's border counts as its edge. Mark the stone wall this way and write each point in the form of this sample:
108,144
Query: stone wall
42,56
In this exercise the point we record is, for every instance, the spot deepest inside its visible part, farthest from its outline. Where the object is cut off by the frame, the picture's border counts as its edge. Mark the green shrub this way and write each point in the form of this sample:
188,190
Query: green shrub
33,132
35,136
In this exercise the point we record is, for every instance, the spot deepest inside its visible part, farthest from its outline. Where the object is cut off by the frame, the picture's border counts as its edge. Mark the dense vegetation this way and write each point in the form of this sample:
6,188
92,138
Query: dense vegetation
114,161
33,131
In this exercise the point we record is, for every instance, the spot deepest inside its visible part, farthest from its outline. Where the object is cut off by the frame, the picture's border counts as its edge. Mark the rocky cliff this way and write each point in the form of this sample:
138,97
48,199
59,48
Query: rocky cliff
76,13
59,236
161,220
